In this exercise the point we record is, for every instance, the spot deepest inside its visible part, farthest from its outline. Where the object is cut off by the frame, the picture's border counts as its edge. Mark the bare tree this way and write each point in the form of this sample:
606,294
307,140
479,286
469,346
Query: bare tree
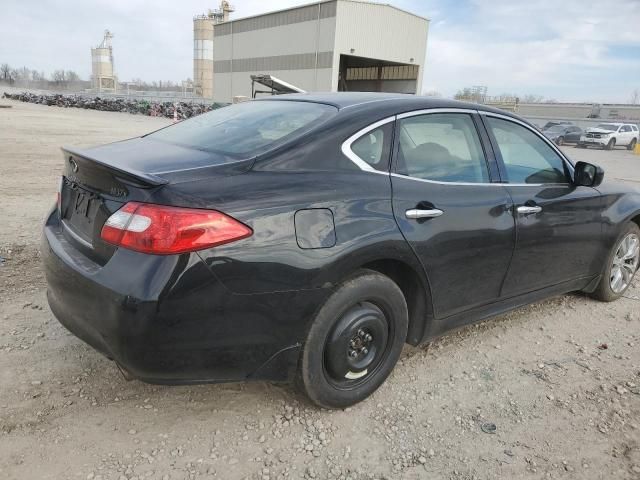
71,76
5,69
531,98
59,77
635,97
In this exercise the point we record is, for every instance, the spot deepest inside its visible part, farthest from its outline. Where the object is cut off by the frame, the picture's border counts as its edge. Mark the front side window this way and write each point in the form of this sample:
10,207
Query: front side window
527,158
374,147
442,147
625,129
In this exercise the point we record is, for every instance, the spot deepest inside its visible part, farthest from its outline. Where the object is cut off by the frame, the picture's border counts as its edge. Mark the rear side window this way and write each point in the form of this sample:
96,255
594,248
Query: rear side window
443,147
374,147
246,129
527,158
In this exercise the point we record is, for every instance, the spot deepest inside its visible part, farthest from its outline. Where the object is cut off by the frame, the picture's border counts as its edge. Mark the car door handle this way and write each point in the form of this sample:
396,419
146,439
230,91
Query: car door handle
416,213
528,210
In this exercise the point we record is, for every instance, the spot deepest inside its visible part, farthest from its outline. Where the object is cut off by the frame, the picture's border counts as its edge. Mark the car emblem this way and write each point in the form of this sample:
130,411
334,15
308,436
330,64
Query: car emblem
74,165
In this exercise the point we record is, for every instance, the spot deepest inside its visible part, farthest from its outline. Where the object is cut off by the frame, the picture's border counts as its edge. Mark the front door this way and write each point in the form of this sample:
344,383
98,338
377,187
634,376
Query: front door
558,224
456,220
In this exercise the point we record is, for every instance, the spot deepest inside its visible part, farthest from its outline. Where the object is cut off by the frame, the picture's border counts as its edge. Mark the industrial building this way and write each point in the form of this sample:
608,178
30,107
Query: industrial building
103,78
331,45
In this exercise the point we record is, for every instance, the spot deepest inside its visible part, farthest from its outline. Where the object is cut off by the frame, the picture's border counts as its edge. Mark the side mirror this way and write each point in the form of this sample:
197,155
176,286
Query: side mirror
588,174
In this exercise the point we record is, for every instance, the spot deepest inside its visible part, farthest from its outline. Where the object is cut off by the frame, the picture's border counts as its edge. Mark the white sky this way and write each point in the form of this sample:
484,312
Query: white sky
573,50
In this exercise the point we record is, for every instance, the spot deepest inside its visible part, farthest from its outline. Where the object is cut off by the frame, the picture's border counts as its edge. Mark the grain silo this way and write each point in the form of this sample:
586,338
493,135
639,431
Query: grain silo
103,78
203,48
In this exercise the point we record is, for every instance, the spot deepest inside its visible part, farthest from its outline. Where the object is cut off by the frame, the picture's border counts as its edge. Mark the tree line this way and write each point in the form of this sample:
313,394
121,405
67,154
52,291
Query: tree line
26,77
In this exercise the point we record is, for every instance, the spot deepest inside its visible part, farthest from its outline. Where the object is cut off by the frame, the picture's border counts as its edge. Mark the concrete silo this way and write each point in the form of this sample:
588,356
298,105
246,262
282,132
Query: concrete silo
103,77
203,26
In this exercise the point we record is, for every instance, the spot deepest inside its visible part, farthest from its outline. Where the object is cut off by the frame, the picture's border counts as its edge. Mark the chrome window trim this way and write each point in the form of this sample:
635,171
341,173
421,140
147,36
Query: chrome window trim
537,133
346,145
364,166
494,184
435,110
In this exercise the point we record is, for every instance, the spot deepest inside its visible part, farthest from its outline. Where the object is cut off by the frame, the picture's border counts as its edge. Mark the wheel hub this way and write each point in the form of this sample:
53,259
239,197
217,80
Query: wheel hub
357,343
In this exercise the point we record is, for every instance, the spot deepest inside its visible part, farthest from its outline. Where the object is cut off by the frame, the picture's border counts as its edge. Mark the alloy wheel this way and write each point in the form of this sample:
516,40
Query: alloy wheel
625,263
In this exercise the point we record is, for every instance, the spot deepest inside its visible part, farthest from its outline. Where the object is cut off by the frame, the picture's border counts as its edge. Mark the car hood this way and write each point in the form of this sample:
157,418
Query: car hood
597,130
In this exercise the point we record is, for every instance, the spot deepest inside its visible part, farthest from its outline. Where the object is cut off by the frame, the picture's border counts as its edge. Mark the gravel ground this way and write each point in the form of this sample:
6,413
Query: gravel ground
559,380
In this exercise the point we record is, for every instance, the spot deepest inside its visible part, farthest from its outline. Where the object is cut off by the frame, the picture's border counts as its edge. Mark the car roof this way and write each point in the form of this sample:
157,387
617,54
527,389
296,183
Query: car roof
364,100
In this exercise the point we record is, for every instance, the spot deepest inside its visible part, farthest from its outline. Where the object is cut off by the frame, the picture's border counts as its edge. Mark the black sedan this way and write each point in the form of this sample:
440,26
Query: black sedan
561,134
309,237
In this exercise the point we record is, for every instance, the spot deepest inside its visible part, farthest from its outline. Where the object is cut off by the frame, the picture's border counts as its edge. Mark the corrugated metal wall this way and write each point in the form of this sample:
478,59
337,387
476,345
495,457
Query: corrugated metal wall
299,45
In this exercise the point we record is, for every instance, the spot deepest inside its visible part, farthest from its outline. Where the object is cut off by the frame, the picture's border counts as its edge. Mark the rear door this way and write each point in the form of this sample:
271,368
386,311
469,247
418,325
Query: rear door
626,135
573,135
450,207
558,223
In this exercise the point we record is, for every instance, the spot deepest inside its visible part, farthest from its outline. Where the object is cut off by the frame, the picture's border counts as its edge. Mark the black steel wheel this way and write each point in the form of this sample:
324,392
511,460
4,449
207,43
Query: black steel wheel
356,345
354,341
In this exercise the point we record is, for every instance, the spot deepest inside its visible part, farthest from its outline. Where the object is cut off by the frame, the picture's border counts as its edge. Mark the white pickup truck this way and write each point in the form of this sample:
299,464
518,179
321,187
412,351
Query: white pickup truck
610,135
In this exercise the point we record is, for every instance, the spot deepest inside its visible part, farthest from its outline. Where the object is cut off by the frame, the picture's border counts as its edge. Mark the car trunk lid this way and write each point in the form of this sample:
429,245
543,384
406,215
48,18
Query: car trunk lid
96,182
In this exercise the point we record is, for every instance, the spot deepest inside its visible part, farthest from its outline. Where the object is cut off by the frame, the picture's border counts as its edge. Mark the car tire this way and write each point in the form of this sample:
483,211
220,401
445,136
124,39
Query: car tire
611,145
560,141
605,291
354,341
632,145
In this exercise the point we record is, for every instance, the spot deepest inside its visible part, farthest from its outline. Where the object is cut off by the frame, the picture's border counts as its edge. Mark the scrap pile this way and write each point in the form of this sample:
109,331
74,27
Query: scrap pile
181,110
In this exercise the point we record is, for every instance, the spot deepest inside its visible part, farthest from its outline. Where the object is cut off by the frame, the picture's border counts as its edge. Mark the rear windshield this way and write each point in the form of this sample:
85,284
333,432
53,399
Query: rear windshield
246,129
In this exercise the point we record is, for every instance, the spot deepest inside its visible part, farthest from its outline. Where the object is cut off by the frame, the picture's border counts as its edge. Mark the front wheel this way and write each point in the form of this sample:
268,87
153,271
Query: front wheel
354,341
622,265
611,144
632,145
560,141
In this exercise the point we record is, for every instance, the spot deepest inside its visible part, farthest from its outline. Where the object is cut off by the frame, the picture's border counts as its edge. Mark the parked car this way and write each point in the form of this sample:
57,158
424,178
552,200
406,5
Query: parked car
552,124
610,135
309,237
561,134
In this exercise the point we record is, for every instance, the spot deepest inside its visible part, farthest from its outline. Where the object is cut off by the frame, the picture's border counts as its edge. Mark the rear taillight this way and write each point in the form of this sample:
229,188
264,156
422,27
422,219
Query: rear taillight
163,230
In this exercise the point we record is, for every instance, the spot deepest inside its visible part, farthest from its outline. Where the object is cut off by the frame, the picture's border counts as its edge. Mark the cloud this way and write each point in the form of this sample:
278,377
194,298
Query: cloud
569,50
565,50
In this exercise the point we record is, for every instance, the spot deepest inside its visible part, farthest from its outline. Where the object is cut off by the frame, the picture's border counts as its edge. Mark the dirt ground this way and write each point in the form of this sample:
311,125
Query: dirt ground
559,379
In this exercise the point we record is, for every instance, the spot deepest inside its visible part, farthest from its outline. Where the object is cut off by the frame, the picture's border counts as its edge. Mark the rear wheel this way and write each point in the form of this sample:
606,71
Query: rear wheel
354,342
632,145
622,264
611,144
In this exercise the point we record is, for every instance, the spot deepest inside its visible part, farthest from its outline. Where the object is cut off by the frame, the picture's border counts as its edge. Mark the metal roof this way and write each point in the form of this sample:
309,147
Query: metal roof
326,1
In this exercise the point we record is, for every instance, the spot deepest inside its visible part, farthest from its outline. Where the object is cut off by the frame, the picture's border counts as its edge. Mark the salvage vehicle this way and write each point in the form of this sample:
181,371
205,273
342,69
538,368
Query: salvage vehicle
308,237
610,135
556,123
561,134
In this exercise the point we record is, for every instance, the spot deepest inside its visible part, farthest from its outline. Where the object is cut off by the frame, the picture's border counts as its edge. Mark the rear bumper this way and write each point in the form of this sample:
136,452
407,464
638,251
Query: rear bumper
168,319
